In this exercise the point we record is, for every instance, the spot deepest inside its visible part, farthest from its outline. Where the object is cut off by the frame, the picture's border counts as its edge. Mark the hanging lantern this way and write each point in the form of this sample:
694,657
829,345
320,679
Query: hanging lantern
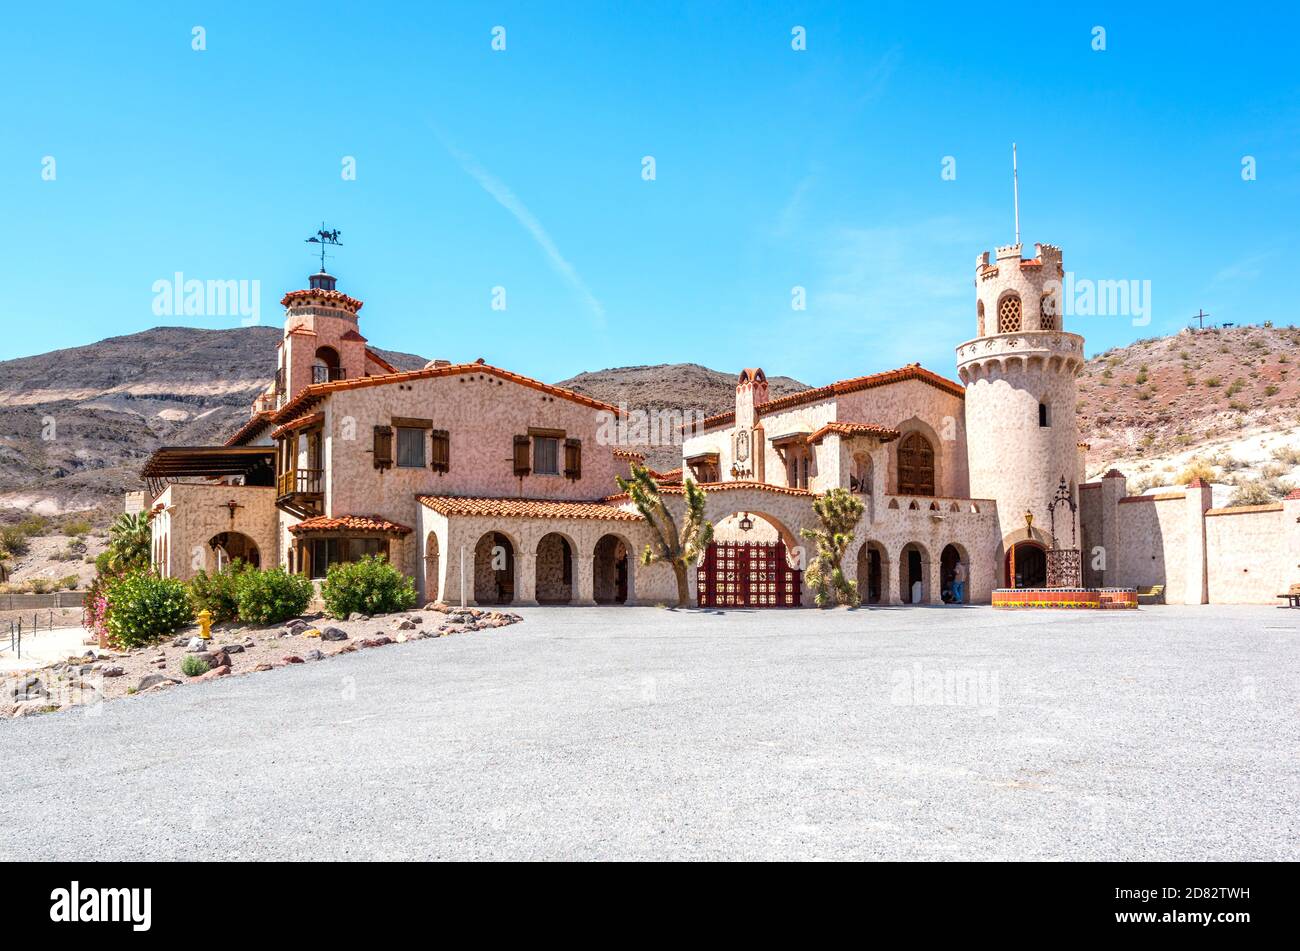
746,523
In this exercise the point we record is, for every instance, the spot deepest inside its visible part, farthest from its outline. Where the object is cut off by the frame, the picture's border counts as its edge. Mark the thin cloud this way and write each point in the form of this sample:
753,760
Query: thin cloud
511,203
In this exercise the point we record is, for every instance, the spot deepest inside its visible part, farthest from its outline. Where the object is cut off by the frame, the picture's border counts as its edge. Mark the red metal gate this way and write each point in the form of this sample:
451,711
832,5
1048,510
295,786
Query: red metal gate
747,575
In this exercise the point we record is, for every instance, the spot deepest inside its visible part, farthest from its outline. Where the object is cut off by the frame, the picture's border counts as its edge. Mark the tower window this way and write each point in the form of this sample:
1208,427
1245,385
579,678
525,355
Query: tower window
979,318
1050,312
1044,415
1009,314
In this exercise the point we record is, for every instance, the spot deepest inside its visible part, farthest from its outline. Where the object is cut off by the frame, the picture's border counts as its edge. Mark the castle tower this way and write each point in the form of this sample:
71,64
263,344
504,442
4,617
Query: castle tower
321,341
1022,432
749,454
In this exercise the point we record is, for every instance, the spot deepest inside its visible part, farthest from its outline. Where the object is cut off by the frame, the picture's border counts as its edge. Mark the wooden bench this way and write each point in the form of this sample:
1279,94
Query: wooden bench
1292,596
1152,595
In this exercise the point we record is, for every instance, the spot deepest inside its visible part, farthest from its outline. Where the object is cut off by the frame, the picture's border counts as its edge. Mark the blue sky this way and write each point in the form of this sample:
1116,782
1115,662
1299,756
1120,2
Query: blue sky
523,169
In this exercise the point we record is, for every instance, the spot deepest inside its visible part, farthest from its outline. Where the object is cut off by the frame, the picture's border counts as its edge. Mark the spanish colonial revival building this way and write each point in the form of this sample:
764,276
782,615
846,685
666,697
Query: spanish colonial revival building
490,486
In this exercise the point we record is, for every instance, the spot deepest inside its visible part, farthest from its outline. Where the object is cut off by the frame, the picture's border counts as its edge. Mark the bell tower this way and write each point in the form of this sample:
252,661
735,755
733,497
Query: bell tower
322,342
1019,371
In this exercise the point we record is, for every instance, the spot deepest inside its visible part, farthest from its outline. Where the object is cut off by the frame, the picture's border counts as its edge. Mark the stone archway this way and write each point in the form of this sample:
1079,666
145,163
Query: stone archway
1030,559
431,568
873,573
914,569
494,569
948,558
611,568
554,569
754,561
234,546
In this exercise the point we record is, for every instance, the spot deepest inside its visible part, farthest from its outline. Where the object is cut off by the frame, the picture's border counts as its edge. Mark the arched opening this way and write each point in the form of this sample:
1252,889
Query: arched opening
952,580
1009,313
1049,312
431,577
494,569
554,570
1030,560
979,319
753,561
234,546
326,367
611,571
914,574
861,474
873,573
915,465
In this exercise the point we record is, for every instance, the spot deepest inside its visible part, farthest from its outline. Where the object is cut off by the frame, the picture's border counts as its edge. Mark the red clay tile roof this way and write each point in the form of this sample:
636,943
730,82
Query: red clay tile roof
376,358
331,297
349,523
669,477
255,423
298,423
721,487
526,508
314,393
883,433
1292,495
628,454
913,371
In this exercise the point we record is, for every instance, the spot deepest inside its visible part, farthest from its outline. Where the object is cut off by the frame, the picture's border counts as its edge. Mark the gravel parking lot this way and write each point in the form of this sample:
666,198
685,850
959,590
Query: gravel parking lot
640,733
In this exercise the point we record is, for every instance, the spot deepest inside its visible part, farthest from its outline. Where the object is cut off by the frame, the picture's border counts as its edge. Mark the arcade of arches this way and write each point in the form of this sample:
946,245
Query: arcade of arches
556,565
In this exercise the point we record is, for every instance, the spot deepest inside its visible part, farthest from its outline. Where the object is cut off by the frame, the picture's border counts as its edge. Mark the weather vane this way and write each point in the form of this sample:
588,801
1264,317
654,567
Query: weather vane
324,239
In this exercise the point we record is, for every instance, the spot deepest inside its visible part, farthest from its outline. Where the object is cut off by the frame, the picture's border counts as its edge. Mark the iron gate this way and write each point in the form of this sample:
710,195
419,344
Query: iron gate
747,575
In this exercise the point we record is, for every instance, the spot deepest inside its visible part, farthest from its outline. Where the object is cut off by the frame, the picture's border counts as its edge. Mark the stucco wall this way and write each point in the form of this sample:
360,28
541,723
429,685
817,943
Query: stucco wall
1152,544
1248,555
193,514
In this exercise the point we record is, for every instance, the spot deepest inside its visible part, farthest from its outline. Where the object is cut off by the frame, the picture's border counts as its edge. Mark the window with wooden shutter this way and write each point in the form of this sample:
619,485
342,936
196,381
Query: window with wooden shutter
573,458
521,456
440,450
383,447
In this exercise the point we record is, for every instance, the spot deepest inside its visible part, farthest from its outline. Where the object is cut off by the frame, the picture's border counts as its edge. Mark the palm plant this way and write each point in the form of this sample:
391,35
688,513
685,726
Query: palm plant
679,547
129,540
839,512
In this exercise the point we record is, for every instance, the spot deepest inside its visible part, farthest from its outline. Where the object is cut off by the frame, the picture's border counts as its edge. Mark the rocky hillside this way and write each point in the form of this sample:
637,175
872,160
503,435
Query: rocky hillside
75,424
681,386
1222,403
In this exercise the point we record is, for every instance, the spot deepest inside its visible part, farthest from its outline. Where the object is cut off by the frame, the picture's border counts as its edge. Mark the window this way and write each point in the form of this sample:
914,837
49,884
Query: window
1009,314
915,465
410,448
323,552
546,455
440,450
797,467
1044,415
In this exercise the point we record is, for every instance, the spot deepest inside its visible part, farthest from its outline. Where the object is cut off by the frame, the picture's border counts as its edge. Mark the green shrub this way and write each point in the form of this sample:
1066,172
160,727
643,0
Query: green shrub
368,586
218,593
193,666
75,527
143,607
271,596
69,582
14,540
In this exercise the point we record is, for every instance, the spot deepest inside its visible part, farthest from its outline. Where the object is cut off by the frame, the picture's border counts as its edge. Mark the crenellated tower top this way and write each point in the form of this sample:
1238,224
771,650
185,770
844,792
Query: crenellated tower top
1015,294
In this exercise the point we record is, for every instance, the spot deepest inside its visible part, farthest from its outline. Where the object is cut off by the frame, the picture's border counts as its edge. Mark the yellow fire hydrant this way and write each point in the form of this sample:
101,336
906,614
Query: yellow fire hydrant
205,624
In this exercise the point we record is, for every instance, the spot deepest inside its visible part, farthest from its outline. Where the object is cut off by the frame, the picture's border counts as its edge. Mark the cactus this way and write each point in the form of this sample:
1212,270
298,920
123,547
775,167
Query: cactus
839,512
679,548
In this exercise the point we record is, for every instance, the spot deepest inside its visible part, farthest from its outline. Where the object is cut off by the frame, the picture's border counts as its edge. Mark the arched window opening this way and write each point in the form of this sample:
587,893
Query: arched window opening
1009,314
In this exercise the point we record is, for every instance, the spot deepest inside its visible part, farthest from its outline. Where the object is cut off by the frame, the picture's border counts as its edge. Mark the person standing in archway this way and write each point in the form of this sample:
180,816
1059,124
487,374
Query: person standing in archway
958,581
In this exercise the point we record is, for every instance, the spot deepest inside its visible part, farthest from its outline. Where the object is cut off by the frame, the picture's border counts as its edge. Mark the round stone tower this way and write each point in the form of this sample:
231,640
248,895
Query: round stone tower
1019,371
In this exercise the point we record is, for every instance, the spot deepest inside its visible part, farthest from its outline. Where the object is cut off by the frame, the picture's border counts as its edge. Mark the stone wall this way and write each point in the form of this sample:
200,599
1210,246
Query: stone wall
193,514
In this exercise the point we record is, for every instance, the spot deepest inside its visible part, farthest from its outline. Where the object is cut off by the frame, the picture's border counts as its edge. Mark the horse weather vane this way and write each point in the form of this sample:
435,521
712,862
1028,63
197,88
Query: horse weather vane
325,239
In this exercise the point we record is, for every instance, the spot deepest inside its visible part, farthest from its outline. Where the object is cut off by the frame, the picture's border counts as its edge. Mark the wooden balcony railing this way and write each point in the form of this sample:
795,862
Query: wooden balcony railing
300,482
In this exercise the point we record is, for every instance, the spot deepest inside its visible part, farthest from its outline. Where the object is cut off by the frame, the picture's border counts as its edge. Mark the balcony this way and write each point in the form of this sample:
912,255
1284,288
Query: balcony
300,491
324,374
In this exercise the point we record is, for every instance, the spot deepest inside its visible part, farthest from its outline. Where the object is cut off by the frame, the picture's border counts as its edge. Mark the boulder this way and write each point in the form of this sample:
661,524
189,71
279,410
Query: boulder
333,634
197,644
28,687
232,648
113,671
315,655
263,666
292,659
215,672
358,616
153,680
405,624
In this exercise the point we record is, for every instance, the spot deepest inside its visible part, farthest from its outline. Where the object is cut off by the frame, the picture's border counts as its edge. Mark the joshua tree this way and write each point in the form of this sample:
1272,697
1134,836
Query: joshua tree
839,512
678,547
129,540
